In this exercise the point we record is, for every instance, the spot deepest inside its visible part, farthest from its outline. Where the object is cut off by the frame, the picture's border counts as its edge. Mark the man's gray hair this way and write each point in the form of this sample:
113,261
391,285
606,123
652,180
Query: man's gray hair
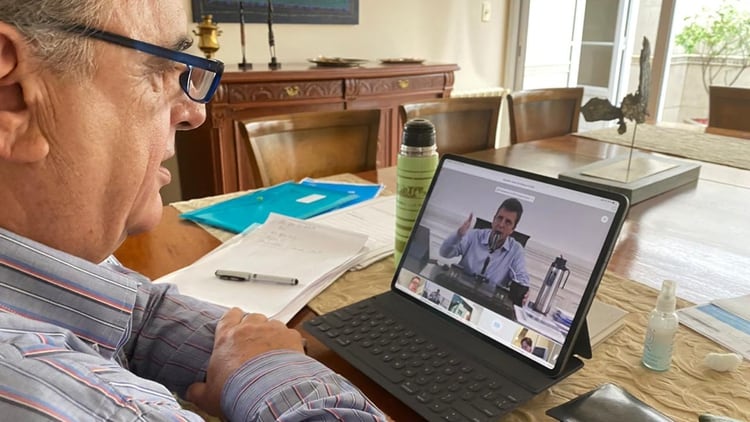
38,21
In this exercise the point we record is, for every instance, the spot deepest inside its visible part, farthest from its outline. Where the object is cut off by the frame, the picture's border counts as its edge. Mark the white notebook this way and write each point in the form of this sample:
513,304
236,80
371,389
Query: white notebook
603,320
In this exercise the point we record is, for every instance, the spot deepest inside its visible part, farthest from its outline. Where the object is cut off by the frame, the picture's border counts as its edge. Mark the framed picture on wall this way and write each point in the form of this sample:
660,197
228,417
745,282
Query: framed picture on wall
331,12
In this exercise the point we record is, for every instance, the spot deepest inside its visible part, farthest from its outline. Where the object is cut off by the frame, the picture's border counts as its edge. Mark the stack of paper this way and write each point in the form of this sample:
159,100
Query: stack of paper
725,321
375,218
314,253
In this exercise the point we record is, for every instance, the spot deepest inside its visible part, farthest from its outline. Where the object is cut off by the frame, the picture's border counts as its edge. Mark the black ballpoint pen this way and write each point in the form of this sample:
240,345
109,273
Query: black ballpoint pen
246,276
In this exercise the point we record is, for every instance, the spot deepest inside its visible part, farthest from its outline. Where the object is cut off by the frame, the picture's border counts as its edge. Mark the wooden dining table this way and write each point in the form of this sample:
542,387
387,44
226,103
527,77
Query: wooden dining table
695,234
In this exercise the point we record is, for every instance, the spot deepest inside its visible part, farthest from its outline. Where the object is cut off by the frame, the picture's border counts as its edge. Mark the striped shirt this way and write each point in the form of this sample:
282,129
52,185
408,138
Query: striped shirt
80,341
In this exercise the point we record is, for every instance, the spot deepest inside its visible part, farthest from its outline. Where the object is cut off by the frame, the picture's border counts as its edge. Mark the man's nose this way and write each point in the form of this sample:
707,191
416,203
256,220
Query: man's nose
189,115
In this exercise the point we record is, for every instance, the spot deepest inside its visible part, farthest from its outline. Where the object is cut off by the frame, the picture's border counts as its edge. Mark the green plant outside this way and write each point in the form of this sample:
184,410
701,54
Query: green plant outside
716,36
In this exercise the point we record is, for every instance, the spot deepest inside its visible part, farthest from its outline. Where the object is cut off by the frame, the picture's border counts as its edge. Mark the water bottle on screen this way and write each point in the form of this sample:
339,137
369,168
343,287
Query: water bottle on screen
415,167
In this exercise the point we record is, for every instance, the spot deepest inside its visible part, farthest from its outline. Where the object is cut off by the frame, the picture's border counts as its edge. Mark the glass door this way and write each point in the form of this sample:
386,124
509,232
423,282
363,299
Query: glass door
575,43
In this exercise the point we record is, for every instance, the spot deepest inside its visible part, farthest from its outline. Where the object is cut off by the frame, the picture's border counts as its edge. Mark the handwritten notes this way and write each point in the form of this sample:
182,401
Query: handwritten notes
314,253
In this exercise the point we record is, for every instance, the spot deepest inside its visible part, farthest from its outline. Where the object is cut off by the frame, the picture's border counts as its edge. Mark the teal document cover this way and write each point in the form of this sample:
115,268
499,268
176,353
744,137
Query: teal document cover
289,198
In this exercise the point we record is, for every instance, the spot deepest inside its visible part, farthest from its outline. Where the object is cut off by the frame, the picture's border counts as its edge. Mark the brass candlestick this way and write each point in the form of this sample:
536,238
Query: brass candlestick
208,33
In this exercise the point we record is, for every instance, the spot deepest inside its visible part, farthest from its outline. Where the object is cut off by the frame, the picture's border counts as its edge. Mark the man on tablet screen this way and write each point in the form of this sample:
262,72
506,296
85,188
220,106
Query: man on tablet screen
492,255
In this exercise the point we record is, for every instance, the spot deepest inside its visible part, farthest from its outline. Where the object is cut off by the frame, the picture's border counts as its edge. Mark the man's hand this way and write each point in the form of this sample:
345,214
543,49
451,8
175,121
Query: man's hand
466,226
239,337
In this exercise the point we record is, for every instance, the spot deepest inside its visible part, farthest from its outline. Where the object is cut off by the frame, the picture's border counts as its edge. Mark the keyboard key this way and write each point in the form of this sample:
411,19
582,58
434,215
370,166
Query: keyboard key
469,411
487,408
437,363
449,370
474,387
335,322
343,341
453,416
409,387
466,396
448,398
437,407
424,397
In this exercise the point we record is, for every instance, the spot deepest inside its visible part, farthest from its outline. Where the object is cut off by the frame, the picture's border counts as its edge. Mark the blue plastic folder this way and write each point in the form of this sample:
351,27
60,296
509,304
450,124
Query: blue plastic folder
289,198
362,190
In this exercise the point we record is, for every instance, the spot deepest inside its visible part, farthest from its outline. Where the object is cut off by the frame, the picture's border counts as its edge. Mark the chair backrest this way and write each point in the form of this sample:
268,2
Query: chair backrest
462,125
311,144
728,108
543,113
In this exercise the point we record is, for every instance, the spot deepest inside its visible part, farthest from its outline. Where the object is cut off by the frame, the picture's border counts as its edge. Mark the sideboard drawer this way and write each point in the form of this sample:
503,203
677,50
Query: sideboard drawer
285,91
395,85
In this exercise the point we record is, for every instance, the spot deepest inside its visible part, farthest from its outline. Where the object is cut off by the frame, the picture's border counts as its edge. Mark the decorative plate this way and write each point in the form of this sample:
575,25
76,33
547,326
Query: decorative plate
336,61
402,60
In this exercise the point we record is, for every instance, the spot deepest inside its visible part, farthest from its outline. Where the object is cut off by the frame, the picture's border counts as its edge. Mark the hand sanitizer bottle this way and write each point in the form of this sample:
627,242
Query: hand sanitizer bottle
661,330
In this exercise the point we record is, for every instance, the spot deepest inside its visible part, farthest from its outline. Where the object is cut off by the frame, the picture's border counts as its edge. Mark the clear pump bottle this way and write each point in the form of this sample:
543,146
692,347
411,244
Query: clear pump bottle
415,166
661,330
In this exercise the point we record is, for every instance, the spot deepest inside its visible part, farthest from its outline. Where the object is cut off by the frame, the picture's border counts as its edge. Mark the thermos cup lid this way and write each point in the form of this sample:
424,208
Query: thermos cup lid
419,132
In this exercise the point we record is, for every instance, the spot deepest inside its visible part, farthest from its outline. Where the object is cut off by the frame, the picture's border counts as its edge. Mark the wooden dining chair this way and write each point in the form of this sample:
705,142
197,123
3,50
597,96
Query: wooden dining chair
462,125
310,144
543,113
729,111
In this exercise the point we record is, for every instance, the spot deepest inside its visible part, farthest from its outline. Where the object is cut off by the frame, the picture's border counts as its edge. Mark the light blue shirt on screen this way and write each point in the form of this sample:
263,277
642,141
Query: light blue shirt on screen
507,263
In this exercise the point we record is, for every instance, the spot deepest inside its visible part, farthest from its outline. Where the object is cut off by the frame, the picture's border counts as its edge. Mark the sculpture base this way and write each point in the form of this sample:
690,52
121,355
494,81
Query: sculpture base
644,177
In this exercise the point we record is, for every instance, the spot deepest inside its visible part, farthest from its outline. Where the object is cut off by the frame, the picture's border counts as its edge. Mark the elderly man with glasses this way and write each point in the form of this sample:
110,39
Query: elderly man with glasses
91,95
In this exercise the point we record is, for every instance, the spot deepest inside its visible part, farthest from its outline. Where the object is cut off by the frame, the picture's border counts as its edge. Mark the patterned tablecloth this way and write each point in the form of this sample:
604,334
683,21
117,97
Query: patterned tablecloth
694,145
684,392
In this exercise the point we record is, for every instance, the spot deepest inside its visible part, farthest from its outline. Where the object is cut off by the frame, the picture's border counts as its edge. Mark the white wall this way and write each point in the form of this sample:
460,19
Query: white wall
448,31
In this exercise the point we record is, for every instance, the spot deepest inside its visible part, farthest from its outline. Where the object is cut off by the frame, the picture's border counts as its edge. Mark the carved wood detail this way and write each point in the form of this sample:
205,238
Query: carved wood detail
284,91
398,84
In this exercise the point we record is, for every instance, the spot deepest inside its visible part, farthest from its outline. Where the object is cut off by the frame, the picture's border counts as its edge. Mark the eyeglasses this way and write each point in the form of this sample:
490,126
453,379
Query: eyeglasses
199,81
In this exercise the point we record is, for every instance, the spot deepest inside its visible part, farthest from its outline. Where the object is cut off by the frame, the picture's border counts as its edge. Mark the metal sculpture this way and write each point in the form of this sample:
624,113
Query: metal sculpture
633,106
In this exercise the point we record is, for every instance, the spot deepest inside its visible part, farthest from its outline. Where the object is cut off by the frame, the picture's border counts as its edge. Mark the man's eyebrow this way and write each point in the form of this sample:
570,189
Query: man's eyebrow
183,43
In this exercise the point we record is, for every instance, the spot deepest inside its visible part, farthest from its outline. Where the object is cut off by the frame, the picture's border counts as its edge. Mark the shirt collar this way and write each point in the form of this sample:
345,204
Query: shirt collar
485,239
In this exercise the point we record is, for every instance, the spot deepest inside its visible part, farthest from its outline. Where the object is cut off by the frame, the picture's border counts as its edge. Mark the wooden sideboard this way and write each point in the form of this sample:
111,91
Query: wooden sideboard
212,160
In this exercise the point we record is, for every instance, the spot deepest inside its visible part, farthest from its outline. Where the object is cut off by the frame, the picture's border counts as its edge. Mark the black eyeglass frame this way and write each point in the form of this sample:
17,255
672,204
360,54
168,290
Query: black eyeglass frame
189,60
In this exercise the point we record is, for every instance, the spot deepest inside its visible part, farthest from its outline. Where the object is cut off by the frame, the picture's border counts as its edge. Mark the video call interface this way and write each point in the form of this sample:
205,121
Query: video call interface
522,291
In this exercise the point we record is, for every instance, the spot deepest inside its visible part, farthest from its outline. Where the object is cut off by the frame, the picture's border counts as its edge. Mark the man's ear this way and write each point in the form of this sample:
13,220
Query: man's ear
19,139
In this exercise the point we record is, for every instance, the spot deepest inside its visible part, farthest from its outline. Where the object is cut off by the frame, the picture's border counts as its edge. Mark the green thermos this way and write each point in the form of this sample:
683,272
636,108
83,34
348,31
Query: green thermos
415,166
